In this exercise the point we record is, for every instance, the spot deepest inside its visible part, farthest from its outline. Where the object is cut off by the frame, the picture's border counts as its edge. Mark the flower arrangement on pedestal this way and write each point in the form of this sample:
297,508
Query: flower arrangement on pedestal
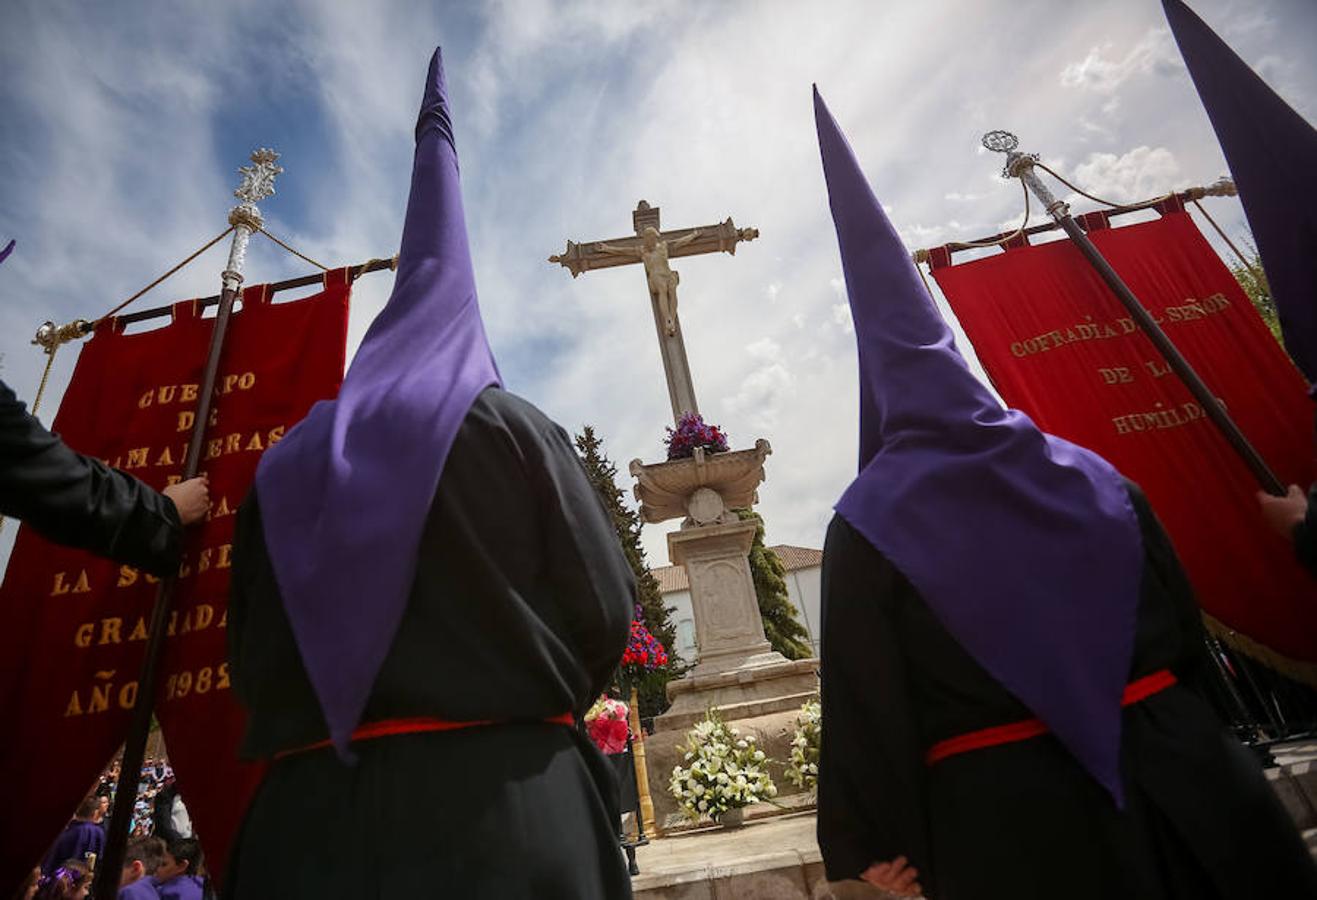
725,772
692,432
803,769
606,723
644,653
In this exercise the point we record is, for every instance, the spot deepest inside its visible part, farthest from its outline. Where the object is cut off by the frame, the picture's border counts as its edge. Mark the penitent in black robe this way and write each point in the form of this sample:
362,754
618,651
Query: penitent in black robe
1023,820
519,612
81,502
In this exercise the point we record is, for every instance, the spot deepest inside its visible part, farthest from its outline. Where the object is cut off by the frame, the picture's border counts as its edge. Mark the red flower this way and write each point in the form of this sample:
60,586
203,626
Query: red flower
609,735
643,652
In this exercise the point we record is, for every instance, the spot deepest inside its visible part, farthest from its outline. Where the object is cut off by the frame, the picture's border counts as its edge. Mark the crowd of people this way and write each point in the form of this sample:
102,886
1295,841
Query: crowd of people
153,869
157,803
163,858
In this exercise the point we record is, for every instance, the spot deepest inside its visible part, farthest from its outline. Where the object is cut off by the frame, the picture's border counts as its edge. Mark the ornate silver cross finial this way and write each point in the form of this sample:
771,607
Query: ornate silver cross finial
1005,142
1000,141
257,184
1020,165
258,180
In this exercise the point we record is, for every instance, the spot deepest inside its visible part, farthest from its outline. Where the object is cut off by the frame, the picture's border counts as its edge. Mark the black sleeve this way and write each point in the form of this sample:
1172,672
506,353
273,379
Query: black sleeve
871,776
1191,665
78,501
1305,534
593,583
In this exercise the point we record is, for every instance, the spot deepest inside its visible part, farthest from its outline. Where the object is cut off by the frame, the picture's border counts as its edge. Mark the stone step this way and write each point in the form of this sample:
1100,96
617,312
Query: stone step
775,855
1296,785
768,859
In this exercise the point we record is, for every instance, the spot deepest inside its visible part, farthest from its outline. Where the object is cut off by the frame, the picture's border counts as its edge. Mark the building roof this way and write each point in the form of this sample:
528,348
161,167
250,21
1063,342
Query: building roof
673,578
798,557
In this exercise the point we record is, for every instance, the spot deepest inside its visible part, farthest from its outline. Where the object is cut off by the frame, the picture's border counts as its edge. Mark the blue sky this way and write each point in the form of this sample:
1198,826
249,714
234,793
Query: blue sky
124,124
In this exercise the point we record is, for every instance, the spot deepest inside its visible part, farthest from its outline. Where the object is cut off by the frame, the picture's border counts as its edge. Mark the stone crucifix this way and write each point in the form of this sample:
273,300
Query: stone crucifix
653,248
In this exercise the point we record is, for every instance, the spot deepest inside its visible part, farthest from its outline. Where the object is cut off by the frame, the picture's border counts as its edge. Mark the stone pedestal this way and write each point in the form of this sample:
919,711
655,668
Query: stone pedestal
737,673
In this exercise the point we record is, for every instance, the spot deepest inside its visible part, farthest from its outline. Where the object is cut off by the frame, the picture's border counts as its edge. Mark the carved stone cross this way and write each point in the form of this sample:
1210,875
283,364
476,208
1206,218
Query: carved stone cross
653,248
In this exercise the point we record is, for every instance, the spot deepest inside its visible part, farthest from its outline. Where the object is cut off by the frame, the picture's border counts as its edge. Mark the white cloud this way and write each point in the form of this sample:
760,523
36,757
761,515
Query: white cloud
764,350
1104,73
841,317
762,392
1140,174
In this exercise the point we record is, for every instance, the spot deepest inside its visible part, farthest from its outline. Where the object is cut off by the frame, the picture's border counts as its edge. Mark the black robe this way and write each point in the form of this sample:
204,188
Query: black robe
519,611
1023,820
1305,534
81,502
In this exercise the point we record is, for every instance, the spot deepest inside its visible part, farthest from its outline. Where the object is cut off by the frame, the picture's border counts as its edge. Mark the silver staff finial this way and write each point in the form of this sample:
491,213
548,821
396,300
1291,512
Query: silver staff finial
258,179
1020,165
1000,141
257,184
1005,142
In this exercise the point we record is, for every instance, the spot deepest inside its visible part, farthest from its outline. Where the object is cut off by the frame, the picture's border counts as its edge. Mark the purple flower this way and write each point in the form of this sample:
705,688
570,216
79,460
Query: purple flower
692,432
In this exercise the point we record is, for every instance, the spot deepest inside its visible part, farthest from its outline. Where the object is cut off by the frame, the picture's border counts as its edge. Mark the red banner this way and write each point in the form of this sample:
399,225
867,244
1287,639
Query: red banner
75,625
1057,344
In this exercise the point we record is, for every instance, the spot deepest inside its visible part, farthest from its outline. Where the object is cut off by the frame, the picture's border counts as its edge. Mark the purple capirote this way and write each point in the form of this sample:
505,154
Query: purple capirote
1272,153
345,495
1025,546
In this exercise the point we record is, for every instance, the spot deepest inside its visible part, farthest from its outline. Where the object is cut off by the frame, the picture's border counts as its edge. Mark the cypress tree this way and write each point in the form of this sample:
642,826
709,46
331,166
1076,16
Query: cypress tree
783,630
649,598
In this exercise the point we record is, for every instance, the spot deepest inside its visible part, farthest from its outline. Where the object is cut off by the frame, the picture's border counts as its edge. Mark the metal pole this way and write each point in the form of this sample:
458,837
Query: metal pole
257,184
641,840
1227,678
1020,165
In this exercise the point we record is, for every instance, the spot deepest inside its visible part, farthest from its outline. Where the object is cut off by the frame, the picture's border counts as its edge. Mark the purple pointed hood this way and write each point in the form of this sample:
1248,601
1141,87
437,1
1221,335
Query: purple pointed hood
1272,153
345,495
1025,546
9,248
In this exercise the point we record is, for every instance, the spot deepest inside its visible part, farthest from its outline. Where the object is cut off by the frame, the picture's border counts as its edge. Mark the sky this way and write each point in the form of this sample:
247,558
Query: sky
124,125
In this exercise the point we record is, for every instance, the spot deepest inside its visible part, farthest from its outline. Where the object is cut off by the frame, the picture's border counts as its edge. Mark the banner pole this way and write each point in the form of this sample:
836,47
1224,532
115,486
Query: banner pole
1021,165
257,184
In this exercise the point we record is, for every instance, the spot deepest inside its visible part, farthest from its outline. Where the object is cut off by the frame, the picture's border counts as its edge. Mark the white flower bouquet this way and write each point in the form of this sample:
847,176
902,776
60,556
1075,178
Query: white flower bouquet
803,769
724,771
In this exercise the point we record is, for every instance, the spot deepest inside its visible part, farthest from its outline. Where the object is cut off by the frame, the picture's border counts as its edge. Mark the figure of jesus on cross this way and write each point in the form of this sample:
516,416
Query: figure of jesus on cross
662,279
653,248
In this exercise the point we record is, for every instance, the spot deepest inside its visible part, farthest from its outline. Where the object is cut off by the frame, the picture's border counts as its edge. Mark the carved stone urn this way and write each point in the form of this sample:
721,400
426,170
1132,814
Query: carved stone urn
706,488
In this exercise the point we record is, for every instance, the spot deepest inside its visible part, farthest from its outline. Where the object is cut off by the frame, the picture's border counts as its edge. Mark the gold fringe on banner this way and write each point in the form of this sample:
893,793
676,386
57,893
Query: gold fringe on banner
1305,672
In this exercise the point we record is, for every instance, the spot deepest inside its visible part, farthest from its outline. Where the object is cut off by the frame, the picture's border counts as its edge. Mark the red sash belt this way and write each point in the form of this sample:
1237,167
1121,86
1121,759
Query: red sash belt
1139,689
419,725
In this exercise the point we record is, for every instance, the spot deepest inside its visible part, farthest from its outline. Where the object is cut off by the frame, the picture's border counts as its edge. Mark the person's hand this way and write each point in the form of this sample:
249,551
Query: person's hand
1282,514
897,878
191,497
